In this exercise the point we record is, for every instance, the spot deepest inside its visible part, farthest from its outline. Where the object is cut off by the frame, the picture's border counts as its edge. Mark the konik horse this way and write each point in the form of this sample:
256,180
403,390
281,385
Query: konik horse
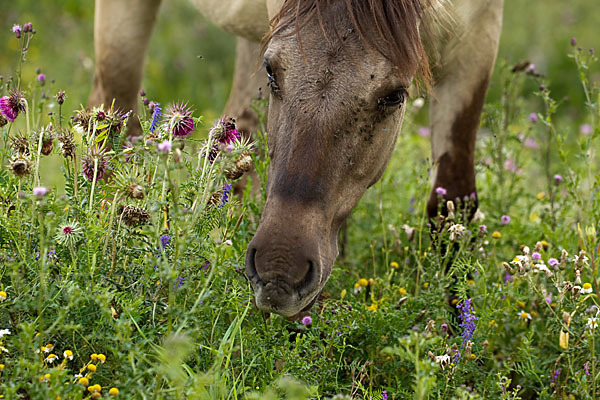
339,72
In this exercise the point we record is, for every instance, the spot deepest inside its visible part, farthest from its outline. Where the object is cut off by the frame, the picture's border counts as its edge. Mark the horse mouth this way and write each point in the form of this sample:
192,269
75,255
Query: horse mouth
277,295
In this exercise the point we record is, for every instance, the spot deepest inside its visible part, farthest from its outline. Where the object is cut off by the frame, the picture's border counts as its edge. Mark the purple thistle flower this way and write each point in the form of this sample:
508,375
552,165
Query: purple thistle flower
533,117
483,229
573,41
164,147
558,179
226,193
40,191
10,106
504,220
441,191
224,131
586,129
180,119
42,79
536,256
156,114
16,29
28,27
530,143
553,262
424,131
307,321
165,240
467,320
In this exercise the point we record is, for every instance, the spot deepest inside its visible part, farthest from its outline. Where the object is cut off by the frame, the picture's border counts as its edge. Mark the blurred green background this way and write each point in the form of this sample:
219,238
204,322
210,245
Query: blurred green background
191,60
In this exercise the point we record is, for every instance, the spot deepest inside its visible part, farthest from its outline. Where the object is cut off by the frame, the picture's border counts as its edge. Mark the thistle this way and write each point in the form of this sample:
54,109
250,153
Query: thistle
67,145
224,131
95,159
69,234
20,144
134,216
11,106
21,165
82,119
47,139
179,119
241,166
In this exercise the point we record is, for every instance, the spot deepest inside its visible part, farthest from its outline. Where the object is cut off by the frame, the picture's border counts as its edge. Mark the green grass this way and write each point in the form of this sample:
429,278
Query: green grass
113,289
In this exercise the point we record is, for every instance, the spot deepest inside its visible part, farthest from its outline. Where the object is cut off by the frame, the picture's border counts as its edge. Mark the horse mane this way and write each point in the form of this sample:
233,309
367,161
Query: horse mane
392,27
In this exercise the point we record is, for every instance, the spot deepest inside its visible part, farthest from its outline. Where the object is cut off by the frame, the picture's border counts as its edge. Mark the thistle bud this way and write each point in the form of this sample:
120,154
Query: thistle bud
136,191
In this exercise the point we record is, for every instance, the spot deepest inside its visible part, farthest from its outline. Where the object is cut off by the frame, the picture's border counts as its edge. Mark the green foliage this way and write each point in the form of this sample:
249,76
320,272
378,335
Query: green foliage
110,289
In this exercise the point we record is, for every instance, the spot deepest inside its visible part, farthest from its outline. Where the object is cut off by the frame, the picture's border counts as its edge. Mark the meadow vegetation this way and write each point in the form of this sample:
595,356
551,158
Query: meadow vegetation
121,270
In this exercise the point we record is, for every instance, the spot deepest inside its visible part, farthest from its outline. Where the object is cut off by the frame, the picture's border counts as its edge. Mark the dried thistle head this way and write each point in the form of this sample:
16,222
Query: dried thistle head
20,144
82,119
20,165
134,216
95,160
47,133
240,167
67,145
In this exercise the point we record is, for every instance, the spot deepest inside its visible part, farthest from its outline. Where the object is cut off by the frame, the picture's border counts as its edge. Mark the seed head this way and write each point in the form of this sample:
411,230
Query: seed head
136,191
20,144
67,145
95,159
134,216
21,165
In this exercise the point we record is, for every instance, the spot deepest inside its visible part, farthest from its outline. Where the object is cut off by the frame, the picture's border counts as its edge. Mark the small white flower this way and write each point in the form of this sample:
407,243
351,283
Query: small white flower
592,323
4,332
587,288
51,358
443,360
457,231
581,260
479,216
3,349
524,315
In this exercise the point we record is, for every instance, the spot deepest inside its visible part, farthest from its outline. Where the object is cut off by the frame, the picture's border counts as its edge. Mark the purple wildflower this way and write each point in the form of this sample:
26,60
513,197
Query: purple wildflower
16,29
483,229
558,179
573,41
156,114
307,321
384,395
28,27
586,368
548,298
424,131
440,191
507,278
41,79
224,131
467,320
164,147
179,282
553,262
11,106
226,193
586,129
536,256
504,220
533,117
530,143
165,240
142,92
444,327
40,191
180,119
555,376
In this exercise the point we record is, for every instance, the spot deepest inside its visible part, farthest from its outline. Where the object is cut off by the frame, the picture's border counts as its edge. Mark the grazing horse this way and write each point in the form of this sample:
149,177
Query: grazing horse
339,72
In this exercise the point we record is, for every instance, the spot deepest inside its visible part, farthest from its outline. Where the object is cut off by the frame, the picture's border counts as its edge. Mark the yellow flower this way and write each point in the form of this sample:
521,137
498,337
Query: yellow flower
68,354
343,294
470,282
101,357
402,291
373,307
48,348
545,244
496,235
84,381
94,357
563,340
113,391
586,288
362,282
356,285
454,302
534,217
3,295
492,323
51,358
91,367
521,304
541,196
473,356
426,285
524,315
1,367
95,388
394,264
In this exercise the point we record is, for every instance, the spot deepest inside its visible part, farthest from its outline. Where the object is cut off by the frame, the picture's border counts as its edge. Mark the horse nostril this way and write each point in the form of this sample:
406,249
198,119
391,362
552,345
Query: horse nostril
251,272
309,281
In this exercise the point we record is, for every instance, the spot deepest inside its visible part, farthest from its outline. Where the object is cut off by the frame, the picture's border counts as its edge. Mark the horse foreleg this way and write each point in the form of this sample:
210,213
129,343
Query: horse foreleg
122,31
246,86
458,95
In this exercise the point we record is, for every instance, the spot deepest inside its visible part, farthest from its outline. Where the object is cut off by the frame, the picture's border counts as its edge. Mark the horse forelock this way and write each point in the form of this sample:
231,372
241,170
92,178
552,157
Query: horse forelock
395,28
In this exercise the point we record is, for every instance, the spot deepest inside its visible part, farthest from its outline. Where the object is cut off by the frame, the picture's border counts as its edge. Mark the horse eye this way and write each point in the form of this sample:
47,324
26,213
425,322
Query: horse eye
394,98
272,82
